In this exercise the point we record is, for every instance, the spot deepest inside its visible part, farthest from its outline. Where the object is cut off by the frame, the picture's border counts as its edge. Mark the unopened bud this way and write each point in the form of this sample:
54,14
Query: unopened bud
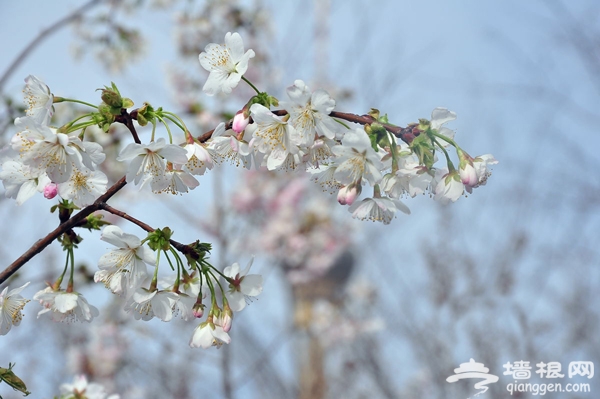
349,193
111,98
468,174
198,309
226,318
50,191
240,122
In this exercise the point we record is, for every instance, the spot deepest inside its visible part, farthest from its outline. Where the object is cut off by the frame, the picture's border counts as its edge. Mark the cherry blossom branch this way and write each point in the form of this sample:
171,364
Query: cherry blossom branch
127,118
405,134
75,221
41,244
183,248
105,207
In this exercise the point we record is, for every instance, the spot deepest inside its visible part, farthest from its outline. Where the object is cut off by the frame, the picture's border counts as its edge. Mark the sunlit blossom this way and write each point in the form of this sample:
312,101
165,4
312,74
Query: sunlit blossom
226,64
273,136
20,182
309,113
148,162
122,270
39,100
84,186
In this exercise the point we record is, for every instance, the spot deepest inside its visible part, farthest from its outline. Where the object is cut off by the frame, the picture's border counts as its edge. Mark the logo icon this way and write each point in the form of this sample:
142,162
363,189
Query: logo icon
474,370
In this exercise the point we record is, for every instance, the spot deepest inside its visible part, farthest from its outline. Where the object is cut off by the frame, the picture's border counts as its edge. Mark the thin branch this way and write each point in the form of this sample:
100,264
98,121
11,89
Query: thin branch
405,134
43,35
183,248
105,207
61,229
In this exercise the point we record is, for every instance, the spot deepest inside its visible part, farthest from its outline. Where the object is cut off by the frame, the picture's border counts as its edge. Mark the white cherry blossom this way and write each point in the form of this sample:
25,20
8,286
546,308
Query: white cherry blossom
20,182
208,334
65,306
480,164
272,136
43,149
440,116
323,175
178,181
199,159
39,100
123,270
146,304
148,162
226,64
411,179
80,388
11,305
377,209
225,144
357,159
243,285
84,186
447,186
309,113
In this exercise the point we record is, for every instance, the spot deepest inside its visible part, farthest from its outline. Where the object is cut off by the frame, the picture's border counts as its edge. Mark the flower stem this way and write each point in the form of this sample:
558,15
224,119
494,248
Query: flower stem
71,257
251,85
167,127
176,120
448,161
71,100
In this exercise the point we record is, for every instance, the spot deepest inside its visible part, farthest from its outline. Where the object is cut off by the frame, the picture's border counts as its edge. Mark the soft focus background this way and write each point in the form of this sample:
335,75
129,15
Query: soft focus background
349,309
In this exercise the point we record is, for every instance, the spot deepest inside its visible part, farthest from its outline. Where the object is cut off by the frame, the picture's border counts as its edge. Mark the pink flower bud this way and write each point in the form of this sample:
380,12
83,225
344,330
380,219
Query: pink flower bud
198,310
240,122
50,191
226,319
468,175
348,194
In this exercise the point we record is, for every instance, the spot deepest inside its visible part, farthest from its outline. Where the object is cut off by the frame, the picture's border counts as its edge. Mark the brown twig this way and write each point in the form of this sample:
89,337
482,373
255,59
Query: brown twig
61,229
405,134
179,246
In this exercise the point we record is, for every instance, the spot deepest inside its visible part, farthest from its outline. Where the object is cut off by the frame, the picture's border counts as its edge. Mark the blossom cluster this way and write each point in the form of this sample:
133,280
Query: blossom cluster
304,135
124,271
54,161
42,159
341,158
342,154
